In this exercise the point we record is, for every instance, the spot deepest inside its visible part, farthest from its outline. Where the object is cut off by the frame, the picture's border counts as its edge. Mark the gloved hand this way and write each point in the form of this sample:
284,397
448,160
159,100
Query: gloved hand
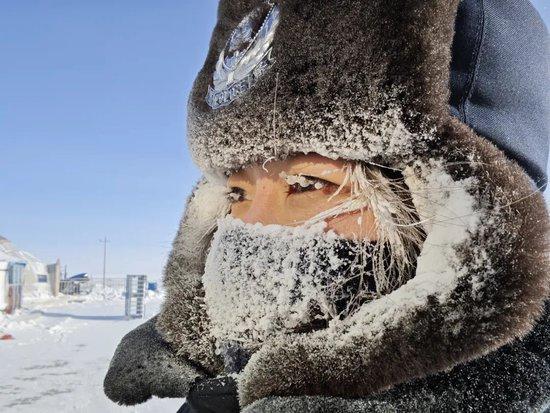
217,395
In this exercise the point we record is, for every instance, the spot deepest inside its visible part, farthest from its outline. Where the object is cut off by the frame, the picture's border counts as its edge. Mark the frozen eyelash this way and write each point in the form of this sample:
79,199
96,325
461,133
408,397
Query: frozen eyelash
303,181
235,195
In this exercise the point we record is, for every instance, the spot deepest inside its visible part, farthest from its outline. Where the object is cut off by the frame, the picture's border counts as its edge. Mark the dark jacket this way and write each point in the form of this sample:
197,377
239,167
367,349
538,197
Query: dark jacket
515,378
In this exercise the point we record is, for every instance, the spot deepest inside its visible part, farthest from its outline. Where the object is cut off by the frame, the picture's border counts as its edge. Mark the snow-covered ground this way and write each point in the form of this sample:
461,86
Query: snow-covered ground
60,353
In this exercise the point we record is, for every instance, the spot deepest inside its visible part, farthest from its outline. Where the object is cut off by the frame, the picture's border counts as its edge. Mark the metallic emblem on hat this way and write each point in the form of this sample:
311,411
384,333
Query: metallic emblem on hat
246,57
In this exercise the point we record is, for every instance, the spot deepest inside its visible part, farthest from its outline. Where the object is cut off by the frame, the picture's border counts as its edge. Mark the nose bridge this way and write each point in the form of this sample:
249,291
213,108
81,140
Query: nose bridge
266,204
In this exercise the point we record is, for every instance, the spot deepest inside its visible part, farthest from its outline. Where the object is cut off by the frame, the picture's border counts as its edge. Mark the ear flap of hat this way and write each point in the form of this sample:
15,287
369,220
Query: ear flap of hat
183,321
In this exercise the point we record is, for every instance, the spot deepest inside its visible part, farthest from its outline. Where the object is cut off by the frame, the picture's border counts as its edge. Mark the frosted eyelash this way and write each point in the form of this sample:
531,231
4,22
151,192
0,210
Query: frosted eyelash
303,181
235,195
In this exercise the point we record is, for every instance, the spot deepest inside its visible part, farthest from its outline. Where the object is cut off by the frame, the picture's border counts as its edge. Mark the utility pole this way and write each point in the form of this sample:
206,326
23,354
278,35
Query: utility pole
104,242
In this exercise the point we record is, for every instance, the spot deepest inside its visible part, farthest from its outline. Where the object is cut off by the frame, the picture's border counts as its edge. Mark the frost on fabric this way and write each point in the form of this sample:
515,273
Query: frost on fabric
261,281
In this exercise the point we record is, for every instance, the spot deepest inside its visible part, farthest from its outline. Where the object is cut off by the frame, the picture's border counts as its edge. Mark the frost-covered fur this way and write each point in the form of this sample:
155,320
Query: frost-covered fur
183,320
144,365
368,81
362,80
514,378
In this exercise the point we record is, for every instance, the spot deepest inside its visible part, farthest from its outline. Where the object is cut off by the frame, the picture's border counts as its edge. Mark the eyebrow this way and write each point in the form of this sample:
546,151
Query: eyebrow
242,176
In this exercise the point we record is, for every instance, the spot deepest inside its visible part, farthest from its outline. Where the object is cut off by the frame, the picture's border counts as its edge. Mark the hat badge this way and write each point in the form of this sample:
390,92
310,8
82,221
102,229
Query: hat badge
246,56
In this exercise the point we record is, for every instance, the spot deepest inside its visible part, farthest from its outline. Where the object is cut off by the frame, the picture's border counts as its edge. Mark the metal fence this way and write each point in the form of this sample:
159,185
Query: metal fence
75,287
116,283
85,286
135,288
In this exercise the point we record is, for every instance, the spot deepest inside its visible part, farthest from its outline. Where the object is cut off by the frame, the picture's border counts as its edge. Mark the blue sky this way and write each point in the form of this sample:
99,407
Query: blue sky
92,126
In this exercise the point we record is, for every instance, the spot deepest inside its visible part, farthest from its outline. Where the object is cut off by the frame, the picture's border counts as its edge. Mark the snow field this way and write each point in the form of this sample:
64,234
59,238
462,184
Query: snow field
61,351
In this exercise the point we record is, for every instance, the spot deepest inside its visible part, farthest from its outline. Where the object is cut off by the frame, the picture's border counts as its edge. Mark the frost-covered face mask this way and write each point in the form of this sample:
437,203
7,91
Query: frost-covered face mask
261,281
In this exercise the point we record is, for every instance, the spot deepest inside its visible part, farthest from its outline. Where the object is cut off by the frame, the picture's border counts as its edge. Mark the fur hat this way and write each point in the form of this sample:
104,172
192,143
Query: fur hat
366,81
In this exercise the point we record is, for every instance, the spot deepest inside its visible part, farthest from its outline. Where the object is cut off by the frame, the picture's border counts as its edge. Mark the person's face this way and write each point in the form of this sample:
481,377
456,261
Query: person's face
291,191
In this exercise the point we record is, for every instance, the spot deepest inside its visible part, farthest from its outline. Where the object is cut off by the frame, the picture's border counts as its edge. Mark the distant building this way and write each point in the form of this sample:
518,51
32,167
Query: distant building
36,278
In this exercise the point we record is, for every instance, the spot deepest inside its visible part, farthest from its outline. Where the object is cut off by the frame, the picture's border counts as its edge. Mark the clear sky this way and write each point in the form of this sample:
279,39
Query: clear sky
92,126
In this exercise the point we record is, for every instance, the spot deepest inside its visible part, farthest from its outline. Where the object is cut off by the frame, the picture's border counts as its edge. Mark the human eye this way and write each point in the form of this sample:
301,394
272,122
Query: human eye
236,194
305,183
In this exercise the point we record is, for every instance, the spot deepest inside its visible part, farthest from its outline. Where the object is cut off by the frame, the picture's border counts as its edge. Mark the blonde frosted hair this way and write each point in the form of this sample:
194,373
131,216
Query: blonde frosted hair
399,232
